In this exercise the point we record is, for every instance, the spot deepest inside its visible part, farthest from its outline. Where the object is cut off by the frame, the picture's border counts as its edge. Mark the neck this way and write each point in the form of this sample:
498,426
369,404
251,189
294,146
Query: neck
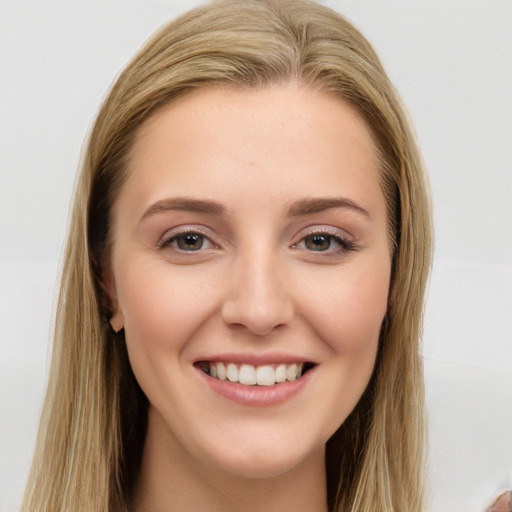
171,480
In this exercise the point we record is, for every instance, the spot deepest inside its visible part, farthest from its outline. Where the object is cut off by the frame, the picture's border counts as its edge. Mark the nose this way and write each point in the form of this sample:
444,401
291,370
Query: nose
258,297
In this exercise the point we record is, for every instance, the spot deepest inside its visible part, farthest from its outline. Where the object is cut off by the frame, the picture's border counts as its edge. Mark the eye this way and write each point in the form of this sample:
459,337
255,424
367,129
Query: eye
319,242
187,241
329,241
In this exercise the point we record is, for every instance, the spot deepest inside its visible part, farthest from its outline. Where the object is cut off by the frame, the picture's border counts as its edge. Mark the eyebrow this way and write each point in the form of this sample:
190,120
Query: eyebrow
301,207
319,204
184,204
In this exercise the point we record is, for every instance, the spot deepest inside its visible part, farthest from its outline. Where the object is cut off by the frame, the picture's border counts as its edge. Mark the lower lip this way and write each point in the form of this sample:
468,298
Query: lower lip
257,395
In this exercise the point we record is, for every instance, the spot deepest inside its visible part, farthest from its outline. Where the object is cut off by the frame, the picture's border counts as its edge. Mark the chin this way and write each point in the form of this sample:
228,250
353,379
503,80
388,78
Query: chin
262,466
253,460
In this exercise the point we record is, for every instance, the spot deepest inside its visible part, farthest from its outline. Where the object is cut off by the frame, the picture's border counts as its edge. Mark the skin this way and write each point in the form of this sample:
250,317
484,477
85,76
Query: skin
261,284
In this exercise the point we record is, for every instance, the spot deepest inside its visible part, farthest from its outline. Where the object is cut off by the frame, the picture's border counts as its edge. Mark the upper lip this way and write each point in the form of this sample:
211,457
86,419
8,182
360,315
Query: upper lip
255,359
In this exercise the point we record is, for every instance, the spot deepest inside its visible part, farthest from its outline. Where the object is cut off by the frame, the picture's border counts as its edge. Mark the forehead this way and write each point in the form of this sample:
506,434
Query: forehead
283,139
289,107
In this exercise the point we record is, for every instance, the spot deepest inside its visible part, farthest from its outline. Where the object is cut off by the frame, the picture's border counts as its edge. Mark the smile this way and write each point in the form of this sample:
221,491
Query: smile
250,375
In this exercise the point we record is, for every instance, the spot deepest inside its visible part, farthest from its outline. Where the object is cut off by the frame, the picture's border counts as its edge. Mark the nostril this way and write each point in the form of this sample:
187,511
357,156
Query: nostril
260,321
257,300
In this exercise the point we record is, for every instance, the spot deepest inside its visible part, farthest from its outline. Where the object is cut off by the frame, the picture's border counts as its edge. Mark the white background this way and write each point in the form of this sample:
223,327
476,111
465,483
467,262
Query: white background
452,62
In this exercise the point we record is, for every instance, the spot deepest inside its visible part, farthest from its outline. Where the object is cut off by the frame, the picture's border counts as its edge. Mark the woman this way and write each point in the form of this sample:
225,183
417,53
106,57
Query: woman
241,300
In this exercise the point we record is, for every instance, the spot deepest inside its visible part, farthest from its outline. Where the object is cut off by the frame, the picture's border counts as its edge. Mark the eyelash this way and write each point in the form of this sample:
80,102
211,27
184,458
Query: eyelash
167,240
345,244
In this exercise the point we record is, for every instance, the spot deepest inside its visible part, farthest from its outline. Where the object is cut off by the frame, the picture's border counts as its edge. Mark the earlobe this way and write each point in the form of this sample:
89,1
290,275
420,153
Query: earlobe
116,319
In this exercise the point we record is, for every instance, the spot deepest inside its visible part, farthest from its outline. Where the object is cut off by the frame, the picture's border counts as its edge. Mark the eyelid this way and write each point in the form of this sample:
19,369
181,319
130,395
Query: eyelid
183,230
345,240
323,229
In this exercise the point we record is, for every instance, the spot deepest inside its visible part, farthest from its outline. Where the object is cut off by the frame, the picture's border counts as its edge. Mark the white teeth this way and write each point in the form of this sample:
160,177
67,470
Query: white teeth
249,375
265,375
291,372
221,370
232,372
280,373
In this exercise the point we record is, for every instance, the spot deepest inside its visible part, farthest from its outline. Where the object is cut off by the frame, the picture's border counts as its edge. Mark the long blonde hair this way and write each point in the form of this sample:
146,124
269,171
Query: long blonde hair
94,419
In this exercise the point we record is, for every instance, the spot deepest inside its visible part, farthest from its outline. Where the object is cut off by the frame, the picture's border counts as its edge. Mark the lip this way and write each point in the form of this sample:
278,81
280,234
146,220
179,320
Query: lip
255,359
256,396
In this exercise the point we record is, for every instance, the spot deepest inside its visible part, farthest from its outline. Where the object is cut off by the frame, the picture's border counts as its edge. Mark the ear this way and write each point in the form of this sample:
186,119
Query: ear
117,319
111,303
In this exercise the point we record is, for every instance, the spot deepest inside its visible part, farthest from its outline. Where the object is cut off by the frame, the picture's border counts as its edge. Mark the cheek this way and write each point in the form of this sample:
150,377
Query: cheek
349,308
348,313
162,310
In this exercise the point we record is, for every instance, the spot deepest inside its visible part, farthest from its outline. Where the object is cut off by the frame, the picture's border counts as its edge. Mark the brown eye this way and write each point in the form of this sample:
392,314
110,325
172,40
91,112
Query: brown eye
318,242
189,241
186,241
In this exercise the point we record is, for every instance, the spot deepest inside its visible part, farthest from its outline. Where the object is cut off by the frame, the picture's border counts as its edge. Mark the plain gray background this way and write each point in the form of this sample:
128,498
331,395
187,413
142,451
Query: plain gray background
451,60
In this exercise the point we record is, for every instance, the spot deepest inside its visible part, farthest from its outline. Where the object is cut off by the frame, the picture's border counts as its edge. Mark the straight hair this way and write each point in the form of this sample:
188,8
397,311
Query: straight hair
94,420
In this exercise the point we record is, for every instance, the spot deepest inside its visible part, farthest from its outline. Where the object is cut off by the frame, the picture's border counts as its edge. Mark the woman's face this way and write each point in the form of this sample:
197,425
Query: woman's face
250,270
